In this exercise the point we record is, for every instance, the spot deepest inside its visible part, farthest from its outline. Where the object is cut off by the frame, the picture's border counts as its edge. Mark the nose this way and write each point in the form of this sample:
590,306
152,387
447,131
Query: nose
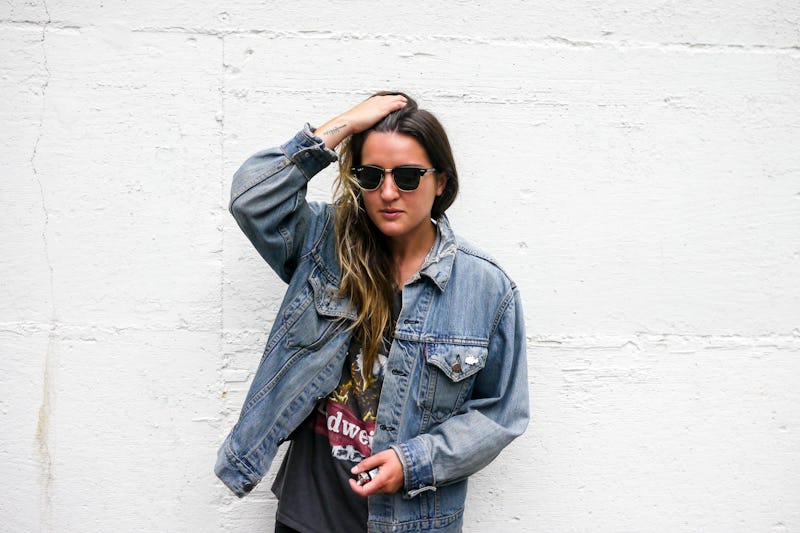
389,190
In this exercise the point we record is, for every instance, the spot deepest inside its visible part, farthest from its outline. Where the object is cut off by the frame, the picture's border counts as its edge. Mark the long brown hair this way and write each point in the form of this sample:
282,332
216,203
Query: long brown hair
366,264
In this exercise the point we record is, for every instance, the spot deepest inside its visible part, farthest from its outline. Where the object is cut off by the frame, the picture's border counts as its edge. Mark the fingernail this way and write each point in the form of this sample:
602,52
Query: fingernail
354,470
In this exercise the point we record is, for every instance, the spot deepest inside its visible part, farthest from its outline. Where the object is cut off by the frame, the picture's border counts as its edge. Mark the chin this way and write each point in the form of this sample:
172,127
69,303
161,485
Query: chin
389,230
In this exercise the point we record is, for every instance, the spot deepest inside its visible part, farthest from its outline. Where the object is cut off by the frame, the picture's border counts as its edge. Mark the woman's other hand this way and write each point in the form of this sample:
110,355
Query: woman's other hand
389,478
359,118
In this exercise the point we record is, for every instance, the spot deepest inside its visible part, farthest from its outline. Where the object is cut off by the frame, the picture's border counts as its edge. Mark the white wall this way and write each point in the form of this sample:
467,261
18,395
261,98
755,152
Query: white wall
633,165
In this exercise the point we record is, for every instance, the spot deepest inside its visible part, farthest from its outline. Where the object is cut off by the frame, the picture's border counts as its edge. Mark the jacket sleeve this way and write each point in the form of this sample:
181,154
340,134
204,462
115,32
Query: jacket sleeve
268,198
496,413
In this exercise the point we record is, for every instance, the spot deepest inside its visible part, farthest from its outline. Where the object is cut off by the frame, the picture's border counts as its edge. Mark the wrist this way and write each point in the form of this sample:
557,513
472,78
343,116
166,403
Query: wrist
335,131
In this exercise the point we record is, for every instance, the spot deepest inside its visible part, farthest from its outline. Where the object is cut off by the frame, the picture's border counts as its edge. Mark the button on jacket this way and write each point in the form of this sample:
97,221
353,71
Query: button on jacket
455,390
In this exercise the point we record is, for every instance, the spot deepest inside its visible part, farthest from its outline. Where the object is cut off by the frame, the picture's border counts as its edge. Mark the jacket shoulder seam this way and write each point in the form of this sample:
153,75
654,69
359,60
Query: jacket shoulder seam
467,249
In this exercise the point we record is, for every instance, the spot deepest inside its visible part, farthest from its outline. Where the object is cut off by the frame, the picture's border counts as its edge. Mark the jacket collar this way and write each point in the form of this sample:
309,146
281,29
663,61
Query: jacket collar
438,264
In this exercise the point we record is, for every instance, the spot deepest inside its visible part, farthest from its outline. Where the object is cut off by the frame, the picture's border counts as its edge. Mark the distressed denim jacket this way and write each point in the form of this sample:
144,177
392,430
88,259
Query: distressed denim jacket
455,390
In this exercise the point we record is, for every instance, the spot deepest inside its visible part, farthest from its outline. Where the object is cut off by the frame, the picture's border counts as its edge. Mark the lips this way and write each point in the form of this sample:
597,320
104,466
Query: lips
390,214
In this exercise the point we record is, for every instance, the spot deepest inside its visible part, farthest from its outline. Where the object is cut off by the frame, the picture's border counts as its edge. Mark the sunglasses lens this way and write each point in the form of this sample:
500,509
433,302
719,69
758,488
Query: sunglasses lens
407,178
369,178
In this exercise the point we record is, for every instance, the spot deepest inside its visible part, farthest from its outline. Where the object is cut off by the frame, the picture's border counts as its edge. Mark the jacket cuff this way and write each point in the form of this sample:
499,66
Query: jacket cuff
236,475
308,152
417,467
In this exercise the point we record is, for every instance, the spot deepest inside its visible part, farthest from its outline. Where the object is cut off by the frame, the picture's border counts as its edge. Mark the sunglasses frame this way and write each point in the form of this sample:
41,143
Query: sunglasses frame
421,171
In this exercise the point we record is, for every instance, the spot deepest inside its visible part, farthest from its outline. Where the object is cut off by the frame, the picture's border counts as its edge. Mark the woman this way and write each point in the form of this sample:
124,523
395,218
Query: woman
396,364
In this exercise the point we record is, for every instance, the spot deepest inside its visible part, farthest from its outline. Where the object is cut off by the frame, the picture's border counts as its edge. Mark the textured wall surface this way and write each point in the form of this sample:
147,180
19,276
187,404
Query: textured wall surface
633,165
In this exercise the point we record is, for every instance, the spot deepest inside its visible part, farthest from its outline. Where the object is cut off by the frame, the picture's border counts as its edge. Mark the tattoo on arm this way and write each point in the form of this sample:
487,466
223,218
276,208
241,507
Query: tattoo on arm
334,130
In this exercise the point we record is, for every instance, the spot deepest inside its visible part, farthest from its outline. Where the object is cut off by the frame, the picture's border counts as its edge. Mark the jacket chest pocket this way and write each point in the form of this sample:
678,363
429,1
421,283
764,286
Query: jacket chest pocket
451,371
313,313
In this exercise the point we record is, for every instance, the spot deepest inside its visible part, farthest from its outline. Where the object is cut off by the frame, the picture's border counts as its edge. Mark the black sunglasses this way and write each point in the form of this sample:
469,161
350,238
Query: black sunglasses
406,177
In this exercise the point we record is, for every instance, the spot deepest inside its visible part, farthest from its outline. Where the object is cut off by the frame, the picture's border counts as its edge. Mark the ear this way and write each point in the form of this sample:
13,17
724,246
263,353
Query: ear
441,181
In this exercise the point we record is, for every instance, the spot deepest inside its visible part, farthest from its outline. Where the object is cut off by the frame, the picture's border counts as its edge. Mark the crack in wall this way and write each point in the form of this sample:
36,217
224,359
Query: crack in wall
225,360
96,333
43,439
221,121
548,41
45,409
225,410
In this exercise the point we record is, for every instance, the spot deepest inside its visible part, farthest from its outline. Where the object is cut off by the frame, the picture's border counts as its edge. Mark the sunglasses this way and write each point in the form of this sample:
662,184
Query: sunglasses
406,177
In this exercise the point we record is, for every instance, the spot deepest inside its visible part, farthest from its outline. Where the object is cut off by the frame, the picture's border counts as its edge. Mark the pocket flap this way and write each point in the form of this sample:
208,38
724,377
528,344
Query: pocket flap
328,301
455,360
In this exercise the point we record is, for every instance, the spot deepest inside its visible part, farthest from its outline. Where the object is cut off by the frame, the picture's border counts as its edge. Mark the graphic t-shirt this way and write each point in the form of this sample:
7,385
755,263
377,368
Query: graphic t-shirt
312,484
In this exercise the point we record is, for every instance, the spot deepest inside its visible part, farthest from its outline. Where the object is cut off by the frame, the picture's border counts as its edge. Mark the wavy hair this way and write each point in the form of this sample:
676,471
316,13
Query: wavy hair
366,263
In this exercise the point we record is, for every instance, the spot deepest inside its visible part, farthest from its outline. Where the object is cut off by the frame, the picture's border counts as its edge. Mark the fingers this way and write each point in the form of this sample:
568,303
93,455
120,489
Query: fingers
369,463
359,118
389,478
373,109
376,486
390,102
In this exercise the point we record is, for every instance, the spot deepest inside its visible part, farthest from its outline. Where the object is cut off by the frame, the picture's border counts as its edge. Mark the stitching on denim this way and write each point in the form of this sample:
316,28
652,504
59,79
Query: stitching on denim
501,311
257,178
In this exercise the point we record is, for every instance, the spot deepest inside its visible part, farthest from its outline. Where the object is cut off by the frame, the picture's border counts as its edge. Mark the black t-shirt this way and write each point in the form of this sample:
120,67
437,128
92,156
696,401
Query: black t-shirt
312,484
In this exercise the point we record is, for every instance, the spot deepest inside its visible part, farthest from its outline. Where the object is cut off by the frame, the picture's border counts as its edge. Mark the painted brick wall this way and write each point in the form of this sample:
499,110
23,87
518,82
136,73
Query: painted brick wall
633,165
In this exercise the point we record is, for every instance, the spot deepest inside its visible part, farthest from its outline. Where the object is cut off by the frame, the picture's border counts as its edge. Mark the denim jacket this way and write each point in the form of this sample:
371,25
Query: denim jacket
455,390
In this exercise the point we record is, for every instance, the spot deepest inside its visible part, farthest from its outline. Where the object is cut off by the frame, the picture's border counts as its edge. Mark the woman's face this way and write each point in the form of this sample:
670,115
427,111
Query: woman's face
400,215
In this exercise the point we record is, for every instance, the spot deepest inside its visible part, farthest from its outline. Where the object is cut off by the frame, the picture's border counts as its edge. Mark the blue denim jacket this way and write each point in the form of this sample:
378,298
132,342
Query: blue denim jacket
455,390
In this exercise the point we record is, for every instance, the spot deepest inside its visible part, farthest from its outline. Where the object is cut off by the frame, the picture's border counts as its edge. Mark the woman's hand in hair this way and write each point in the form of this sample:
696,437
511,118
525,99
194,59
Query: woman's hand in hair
389,478
359,118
